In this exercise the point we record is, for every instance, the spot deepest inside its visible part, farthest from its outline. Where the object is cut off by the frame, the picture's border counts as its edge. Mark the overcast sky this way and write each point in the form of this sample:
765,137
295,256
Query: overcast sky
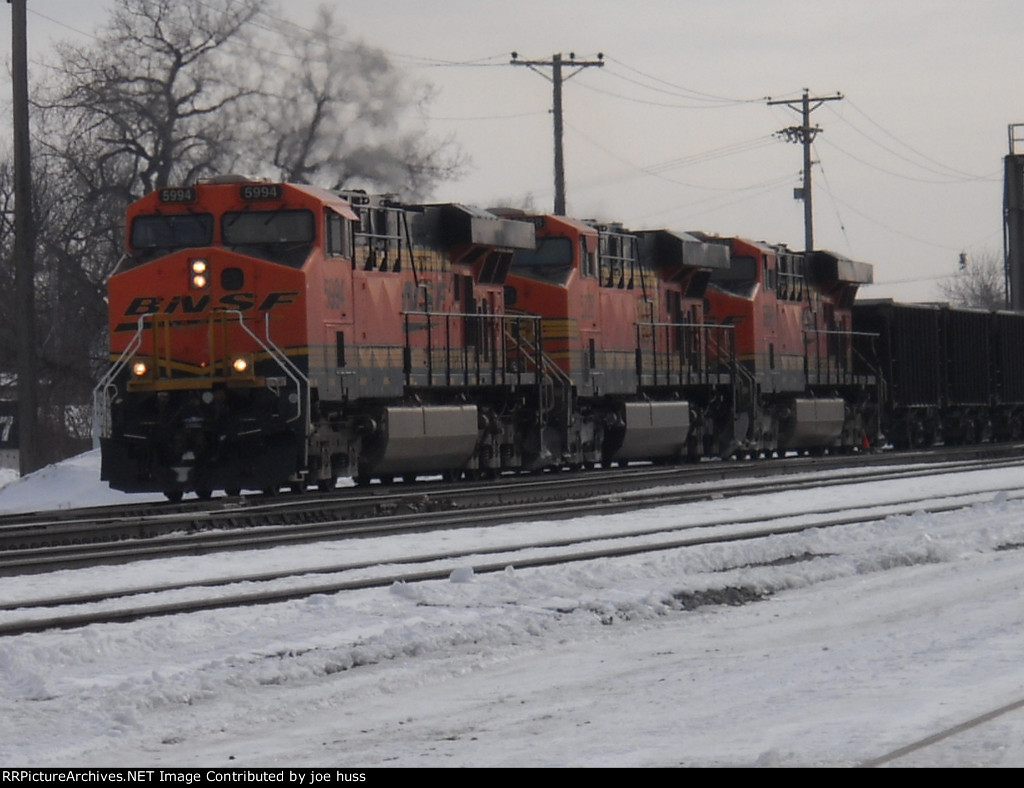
675,130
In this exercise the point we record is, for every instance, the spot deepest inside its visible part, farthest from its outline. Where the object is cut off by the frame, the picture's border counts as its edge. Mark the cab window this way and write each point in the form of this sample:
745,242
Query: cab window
156,235
280,236
550,262
739,278
339,239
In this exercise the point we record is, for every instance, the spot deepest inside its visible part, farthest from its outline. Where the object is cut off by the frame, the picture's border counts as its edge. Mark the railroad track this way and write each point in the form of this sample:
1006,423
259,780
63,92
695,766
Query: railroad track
31,615
971,725
49,540
280,523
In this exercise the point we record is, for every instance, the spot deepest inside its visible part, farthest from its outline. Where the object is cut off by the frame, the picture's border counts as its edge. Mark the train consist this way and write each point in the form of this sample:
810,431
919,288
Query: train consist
265,335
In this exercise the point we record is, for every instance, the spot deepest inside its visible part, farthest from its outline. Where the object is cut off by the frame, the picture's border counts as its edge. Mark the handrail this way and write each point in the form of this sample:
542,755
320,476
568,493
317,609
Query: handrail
505,336
287,365
104,391
701,363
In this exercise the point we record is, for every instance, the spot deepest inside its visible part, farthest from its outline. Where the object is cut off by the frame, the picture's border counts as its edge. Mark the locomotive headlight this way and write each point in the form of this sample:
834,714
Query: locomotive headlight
139,369
240,365
199,272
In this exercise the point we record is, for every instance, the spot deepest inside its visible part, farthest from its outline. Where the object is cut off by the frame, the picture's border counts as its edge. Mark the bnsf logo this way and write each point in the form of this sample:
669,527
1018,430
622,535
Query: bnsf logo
193,305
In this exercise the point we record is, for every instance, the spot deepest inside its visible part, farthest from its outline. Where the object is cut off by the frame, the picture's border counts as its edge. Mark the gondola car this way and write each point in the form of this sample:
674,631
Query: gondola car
949,375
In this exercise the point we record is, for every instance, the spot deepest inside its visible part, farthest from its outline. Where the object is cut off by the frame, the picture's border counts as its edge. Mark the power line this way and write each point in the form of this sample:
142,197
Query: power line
992,177
61,24
948,170
835,207
463,118
708,205
679,90
709,155
658,170
890,228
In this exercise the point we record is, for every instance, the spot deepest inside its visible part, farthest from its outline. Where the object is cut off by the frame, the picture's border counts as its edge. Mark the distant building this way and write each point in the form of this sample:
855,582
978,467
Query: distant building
9,434
8,421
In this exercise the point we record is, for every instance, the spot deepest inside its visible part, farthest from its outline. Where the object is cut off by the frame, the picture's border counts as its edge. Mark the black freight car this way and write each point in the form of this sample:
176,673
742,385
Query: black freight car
947,374
1008,362
968,382
900,343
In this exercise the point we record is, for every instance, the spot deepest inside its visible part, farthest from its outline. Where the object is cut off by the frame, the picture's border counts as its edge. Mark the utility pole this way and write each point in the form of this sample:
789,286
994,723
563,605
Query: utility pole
24,245
805,135
556,80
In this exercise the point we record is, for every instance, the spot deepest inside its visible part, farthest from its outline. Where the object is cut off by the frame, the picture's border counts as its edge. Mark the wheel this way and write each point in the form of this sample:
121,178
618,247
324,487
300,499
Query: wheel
174,496
204,495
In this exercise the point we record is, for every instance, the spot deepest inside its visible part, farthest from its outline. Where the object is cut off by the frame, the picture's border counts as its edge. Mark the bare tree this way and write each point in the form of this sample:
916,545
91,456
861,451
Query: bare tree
979,283
8,343
176,89
171,91
69,306
152,102
342,116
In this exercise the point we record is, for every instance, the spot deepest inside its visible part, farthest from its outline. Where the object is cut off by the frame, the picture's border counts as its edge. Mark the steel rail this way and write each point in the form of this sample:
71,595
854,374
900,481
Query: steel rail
424,515
490,560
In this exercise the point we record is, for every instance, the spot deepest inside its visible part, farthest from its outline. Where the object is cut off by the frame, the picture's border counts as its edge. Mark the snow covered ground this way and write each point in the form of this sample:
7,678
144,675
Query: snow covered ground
874,637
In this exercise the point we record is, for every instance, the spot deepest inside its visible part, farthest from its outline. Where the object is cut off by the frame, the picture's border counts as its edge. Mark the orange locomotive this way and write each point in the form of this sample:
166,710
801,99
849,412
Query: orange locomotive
635,370
797,386
269,334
